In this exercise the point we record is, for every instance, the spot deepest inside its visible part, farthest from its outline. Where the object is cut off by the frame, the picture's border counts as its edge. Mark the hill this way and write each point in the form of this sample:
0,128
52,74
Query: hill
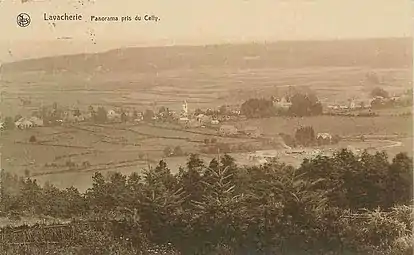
374,53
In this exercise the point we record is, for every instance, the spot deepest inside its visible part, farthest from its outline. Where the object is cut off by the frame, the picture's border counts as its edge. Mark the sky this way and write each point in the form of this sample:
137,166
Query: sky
194,22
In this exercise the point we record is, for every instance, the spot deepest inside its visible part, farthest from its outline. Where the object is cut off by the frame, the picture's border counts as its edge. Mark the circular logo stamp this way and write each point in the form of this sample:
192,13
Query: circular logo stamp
23,20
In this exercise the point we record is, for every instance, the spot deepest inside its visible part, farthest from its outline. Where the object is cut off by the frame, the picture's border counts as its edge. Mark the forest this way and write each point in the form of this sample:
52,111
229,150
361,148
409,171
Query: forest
341,204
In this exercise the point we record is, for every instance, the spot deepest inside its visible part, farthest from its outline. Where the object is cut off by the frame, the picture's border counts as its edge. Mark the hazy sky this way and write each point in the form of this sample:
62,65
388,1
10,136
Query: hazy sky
194,22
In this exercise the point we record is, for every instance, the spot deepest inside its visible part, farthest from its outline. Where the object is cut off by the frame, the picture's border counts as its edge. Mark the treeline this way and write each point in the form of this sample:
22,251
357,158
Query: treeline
329,205
300,104
305,136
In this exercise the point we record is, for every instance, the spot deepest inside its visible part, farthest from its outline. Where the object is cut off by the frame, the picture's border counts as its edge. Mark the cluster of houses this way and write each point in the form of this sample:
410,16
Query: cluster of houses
185,118
69,117
206,118
25,123
353,104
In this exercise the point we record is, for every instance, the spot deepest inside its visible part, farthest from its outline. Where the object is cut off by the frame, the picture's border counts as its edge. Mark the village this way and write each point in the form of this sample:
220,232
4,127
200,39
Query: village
186,118
220,129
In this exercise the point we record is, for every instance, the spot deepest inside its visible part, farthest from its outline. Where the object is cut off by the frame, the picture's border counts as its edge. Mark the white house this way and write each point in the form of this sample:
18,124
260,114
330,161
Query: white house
215,122
184,119
193,124
235,112
203,119
111,114
352,104
282,103
200,117
324,138
23,124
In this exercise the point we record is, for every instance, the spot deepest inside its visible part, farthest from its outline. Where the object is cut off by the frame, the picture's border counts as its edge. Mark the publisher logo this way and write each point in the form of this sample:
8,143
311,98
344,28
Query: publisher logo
23,20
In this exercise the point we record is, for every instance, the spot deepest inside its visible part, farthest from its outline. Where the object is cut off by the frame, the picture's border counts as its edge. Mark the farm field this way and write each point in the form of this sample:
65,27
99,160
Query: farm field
105,148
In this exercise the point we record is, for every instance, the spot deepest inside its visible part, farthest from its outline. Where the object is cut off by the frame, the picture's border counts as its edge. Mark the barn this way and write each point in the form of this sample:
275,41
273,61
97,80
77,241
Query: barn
324,138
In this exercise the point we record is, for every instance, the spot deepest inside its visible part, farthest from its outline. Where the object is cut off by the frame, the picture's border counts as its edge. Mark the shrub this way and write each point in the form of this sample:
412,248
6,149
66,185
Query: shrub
168,151
86,164
178,151
305,136
32,139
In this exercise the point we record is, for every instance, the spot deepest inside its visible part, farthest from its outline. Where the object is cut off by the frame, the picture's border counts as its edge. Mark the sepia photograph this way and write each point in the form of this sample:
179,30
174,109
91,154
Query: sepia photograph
206,127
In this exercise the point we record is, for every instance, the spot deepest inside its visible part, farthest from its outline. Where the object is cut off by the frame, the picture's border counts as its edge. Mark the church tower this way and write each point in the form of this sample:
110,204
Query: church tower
185,108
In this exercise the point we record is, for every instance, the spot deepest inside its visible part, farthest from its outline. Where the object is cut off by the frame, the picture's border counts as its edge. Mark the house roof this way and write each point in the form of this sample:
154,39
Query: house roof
324,135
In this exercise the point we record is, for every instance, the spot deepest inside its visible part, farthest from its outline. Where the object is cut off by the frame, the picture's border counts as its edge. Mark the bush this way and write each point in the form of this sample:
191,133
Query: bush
70,164
32,139
257,108
379,92
86,164
178,151
305,136
305,105
168,151
288,139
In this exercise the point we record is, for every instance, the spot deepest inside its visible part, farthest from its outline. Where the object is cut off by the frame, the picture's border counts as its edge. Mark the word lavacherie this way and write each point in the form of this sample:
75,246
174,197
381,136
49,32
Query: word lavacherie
62,17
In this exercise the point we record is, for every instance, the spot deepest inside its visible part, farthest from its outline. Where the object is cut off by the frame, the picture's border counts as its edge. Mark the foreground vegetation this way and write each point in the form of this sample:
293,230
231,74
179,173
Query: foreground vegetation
344,204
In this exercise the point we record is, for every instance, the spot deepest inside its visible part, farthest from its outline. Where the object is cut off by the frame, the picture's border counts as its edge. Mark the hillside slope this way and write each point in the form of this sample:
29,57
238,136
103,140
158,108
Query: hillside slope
374,53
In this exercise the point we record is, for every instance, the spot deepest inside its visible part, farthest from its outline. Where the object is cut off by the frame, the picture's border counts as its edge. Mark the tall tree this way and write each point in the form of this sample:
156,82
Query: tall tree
305,105
305,136
379,92
257,108
9,123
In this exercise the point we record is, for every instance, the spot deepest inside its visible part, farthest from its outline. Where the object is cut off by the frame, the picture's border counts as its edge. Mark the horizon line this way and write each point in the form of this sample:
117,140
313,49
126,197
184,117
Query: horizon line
172,45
